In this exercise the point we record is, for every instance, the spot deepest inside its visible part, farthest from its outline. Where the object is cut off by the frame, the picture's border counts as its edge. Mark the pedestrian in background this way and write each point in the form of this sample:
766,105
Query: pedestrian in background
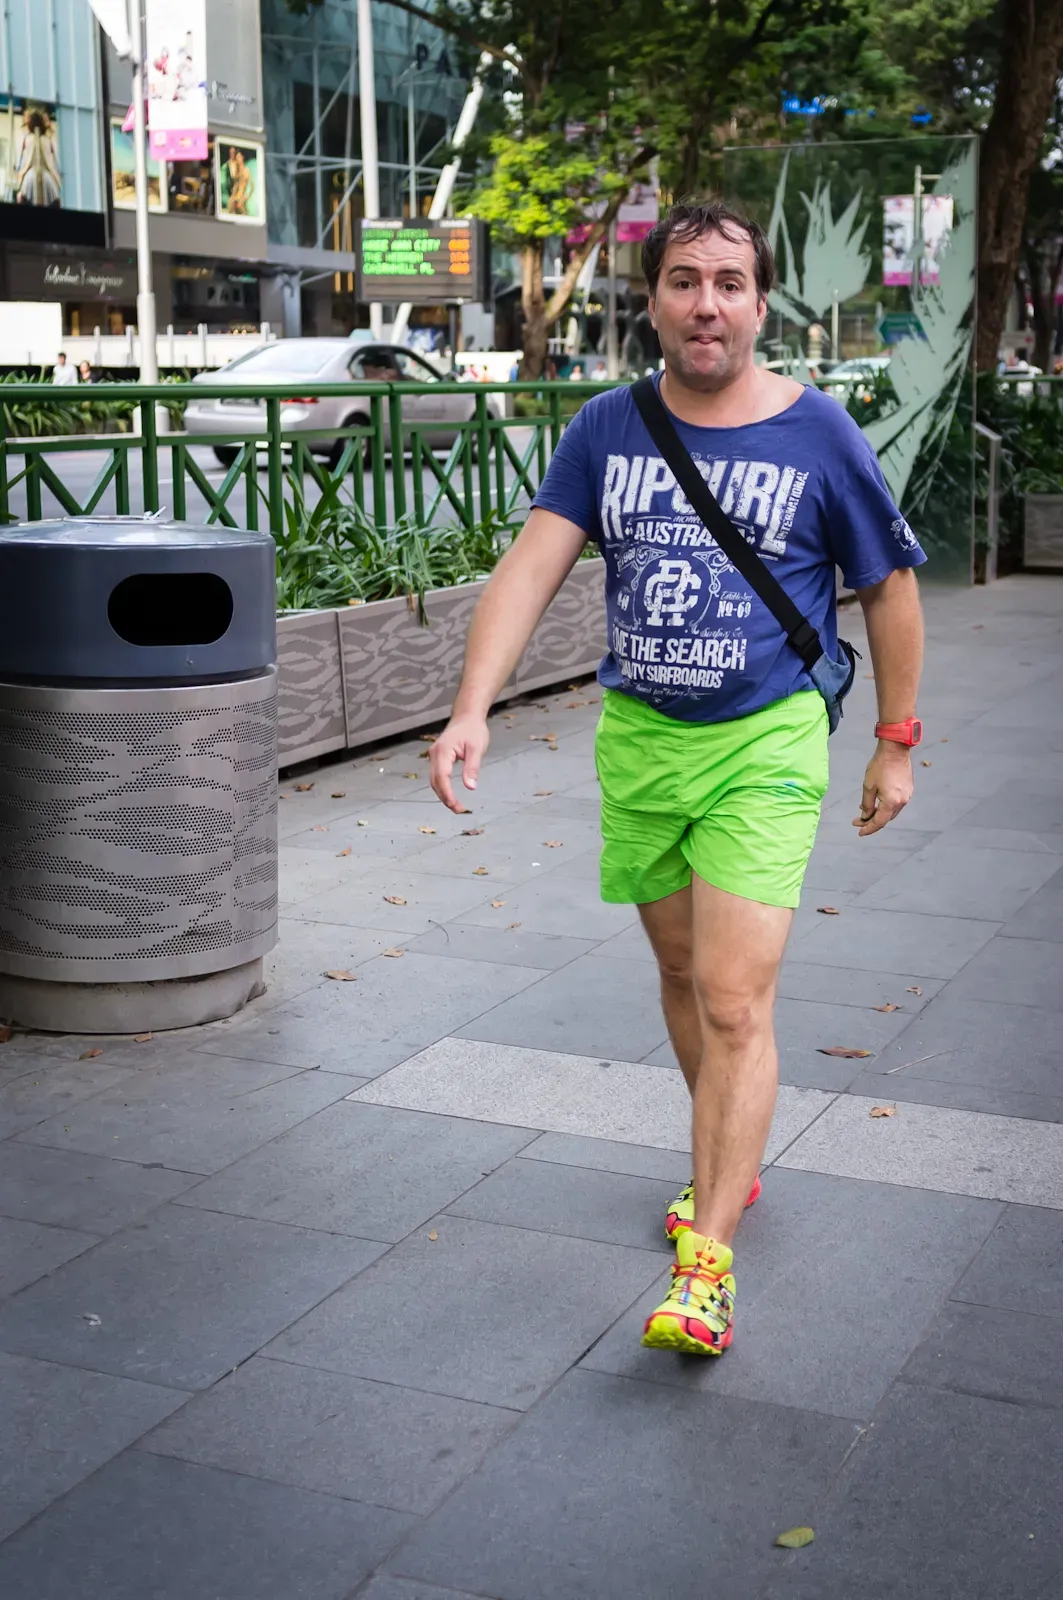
63,374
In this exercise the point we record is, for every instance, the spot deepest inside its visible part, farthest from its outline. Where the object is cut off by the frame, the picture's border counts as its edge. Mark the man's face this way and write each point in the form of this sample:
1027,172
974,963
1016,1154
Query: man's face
706,309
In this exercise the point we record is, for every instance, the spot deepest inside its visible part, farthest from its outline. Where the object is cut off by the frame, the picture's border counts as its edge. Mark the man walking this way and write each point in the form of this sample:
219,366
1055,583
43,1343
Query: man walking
712,744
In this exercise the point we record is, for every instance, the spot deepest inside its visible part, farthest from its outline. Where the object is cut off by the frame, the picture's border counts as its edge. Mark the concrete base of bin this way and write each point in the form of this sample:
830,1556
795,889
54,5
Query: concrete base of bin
129,1007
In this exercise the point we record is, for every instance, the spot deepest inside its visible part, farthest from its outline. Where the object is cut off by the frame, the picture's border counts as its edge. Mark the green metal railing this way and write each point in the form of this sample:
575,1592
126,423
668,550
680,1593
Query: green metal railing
493,462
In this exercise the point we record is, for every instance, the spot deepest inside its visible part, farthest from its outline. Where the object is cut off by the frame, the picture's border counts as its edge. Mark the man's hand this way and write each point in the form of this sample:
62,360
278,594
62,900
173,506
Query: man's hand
888,787
464,739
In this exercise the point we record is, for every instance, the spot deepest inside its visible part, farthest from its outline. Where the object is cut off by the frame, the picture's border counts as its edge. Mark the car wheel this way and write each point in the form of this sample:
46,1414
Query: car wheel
359,420
226,454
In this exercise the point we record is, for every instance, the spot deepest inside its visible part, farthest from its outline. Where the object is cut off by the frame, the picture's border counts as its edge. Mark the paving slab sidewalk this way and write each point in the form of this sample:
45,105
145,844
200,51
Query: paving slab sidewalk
341,1298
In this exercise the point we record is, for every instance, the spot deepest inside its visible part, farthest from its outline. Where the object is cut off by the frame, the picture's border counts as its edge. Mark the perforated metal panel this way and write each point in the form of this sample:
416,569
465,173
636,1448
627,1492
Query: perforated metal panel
138,830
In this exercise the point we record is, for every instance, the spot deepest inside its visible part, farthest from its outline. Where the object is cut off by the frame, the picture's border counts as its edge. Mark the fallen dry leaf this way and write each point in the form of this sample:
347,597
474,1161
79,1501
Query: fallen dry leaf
926,763
395,899
463,811
426,830
480,872
396,952
570,705
344,852
319,827
470,833
411,774
883,1111
429,738
90,1055
303,788
284,795
891,1005
342,977
433,1236
943,741
795,1538
496,903
510,926
843,1051
143,1038
5,1034
553,844
539,793
424,755
551,747
363,822
828,911
339,794
913,988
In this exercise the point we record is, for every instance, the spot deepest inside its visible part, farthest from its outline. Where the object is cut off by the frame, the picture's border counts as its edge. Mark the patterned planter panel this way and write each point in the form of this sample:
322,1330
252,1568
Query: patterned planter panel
571,637
355,675
1043,542
397,673
311,721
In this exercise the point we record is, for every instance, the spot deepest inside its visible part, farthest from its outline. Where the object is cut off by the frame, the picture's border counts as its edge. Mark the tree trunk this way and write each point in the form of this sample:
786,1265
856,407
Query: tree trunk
533,304
1026,85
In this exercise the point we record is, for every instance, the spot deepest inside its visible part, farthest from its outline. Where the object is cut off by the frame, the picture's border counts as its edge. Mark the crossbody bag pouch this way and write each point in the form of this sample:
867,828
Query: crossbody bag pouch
832,678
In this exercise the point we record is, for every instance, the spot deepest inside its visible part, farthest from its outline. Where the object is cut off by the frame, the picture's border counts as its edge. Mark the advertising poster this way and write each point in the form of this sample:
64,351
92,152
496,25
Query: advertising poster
191,185
177,79
898,238
123,174
239,182
29,153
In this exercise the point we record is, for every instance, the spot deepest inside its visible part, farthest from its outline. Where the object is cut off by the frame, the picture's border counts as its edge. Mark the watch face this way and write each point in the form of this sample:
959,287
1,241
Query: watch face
917,731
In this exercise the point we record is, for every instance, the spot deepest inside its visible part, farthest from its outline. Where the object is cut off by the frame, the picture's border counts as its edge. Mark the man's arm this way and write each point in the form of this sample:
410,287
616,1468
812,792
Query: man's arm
517,593
894,620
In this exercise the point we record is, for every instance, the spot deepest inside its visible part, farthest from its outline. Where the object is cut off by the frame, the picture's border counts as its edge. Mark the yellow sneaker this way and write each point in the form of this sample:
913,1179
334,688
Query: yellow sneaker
696,1315
680,1214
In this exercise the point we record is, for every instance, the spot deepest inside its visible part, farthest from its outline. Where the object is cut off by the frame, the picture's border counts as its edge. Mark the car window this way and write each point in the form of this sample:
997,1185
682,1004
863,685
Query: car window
375,364
413,369
288,358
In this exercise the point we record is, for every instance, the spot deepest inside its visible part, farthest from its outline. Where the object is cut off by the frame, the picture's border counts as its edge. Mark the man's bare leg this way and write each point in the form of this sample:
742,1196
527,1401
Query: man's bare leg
669,925
737,947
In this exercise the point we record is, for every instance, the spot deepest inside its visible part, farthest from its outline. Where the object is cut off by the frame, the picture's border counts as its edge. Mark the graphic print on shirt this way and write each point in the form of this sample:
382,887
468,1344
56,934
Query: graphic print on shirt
679,614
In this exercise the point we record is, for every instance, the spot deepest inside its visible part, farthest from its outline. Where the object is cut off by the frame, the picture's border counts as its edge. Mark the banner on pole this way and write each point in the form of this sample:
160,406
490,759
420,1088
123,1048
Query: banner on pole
898,241
177,79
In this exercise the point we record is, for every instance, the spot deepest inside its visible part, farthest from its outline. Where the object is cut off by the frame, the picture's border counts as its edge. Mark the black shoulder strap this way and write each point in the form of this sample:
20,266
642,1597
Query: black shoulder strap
798,630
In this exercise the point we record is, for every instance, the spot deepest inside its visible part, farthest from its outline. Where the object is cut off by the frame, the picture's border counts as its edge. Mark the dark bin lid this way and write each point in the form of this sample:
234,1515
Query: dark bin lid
131,599
128,533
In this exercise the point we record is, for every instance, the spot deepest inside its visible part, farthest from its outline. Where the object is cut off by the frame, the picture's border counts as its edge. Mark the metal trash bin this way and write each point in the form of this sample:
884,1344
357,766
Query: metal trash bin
138,773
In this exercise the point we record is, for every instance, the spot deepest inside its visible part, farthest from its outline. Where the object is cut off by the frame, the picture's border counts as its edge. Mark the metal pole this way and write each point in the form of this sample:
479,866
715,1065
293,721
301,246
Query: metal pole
149,361
917,232
612,343
448,176
411,142
370,155
835,323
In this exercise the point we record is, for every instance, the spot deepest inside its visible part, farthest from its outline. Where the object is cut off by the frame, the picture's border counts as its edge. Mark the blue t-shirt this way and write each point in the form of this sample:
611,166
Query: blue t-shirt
685,631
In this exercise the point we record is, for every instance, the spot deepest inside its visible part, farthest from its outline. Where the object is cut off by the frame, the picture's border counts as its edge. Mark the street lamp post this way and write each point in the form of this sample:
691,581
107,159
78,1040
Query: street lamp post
149,360
370,155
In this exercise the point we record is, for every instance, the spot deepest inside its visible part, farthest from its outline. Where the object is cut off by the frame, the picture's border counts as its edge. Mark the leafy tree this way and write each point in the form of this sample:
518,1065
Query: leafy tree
993,69
561,139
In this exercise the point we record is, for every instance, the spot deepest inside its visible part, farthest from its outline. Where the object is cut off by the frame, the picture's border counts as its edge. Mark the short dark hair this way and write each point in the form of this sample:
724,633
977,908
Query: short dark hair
688,220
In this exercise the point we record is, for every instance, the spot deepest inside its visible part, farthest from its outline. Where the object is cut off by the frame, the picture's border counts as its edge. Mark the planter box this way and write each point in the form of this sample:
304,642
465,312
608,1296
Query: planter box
1043,532
351,676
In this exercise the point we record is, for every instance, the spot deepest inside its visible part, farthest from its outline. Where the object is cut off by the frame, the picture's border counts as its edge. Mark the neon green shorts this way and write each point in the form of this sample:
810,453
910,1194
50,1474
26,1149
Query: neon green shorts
736,802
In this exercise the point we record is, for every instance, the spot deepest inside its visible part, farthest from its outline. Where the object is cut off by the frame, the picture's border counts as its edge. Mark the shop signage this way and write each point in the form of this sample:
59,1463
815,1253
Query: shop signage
40,277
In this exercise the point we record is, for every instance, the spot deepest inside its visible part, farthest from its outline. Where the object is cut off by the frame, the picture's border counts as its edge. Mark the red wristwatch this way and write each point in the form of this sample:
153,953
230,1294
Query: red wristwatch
908,733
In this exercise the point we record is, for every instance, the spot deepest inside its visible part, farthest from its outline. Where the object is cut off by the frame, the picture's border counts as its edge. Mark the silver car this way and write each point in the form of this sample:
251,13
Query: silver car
306,362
